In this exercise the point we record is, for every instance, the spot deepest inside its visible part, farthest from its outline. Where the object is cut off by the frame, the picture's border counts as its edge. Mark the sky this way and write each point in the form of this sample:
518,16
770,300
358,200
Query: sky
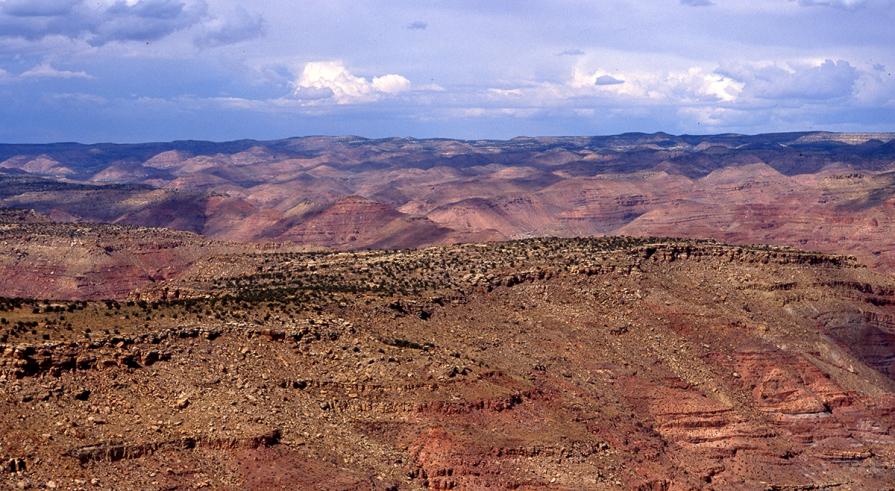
154,70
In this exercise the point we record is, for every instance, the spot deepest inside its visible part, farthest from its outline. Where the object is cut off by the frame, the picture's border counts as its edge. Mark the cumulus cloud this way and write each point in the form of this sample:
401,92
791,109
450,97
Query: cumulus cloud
725,97
875,87
712,85
717,96
240,25
695,85
332,77
391,84
826,80
642,63
98,22
677,86
323,80
46,70
747,83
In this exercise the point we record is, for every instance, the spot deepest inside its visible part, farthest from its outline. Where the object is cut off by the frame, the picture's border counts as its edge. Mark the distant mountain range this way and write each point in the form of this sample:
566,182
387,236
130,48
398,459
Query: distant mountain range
818,190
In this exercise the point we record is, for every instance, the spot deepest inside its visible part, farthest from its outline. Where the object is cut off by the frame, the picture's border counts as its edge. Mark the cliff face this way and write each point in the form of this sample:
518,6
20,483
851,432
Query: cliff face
546,363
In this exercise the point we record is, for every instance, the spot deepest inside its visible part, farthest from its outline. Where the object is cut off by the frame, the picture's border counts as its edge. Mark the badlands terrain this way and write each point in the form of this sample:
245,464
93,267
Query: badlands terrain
344,313
821,191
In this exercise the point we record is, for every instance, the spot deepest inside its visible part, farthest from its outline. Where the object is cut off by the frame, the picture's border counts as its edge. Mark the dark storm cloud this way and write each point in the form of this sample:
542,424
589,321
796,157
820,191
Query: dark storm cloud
240,26
98,24
608,80
37,8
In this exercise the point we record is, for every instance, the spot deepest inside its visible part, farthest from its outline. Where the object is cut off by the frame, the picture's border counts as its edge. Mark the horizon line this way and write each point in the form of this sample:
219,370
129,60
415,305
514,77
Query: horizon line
518,137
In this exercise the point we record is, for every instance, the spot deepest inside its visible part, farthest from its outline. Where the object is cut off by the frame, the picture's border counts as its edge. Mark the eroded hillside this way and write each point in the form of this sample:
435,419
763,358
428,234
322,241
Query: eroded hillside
821,191
547,363
40,258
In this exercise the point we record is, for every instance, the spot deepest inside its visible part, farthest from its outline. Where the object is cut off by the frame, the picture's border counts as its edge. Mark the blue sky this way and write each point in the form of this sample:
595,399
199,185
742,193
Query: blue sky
142,70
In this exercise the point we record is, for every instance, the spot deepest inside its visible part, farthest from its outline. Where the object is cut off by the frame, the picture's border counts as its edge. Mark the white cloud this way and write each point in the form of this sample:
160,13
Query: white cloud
493,112
501,93
742,84
698,97
875,87
692,84
842,4
391,84
46,70
430,88
713,84
321,80
77,98
826,79
332,77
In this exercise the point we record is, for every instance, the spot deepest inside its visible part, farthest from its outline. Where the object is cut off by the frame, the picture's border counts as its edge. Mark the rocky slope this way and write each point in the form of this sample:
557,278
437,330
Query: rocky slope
40,258
537,364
